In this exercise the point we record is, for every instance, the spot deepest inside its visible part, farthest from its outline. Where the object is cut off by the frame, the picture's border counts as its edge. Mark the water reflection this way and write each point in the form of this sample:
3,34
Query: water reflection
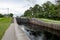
38,35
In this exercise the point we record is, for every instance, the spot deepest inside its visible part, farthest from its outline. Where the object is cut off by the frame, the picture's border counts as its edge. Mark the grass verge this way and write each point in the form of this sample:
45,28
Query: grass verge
4,24
49,21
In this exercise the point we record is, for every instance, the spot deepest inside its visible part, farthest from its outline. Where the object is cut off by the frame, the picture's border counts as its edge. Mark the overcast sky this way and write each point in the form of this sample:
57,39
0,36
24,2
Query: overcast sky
17,7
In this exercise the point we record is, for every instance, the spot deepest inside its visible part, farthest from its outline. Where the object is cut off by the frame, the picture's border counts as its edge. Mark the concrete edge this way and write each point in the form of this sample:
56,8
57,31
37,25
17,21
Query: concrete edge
17,31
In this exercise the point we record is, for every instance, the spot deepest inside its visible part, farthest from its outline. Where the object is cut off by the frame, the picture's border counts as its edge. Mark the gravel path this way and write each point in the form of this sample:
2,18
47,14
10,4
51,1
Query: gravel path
20,34
10,33
14,33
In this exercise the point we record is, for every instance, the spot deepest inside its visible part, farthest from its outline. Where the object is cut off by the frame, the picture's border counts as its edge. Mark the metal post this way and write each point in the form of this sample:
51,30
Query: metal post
8,10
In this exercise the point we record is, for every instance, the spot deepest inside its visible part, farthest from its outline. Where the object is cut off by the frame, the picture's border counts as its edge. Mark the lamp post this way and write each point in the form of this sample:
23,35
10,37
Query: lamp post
8,10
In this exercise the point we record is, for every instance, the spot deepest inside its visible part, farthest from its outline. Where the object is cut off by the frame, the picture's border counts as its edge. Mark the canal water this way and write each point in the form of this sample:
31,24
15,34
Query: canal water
38,35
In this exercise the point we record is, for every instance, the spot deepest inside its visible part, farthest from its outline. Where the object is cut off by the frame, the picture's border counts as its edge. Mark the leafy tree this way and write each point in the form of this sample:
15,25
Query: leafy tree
36,10
28,13
1,15
11,15
47,10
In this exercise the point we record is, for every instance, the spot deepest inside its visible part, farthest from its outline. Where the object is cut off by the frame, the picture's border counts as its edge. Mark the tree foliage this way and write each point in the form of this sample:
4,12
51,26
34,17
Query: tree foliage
47,10
6,15
11,15
1,15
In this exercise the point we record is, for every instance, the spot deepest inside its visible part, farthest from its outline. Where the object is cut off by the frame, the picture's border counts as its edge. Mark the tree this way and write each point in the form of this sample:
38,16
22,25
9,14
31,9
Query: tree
47,10
28,13
1,15
11,15
37,10
58,11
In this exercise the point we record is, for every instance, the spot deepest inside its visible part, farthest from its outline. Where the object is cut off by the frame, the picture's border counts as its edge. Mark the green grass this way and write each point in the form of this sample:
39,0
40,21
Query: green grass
4,24
49,21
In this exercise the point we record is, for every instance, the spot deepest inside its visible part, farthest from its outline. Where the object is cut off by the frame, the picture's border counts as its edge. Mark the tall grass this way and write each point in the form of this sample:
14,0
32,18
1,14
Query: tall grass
4,24
50,21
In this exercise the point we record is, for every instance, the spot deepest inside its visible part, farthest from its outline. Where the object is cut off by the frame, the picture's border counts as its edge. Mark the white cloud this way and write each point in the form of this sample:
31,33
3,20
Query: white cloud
18,7
14,8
